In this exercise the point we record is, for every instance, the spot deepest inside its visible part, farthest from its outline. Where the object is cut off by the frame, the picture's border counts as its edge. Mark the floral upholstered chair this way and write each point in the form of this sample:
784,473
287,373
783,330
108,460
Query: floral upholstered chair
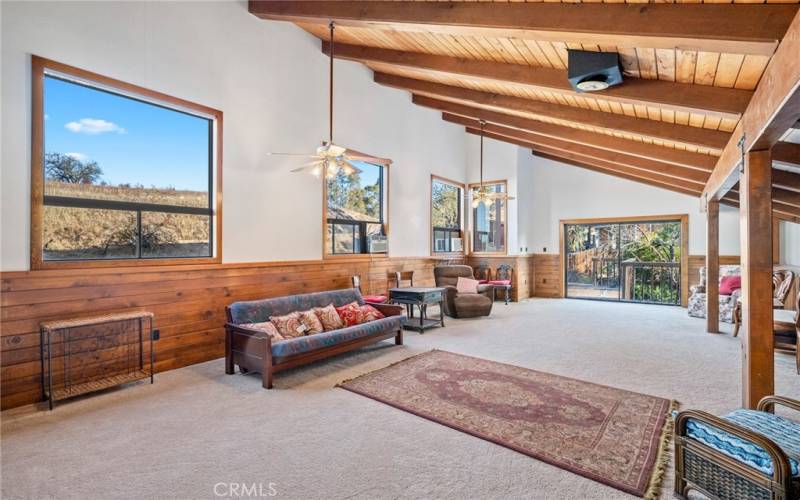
727,303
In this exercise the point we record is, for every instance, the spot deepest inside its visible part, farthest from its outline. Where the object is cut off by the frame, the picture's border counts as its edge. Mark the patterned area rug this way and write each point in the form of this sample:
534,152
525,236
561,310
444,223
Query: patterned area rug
613,436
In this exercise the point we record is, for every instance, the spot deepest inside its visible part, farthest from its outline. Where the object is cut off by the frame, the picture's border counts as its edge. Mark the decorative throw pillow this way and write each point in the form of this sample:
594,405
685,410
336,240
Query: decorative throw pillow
329,317
728,284
266,327
311,321
289,325
466,285
369,313
350,313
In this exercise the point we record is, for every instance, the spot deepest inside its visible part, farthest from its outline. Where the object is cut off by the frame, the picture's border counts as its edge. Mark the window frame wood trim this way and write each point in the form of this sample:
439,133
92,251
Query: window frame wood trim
682,218
384,163
38,67
462,222
504,182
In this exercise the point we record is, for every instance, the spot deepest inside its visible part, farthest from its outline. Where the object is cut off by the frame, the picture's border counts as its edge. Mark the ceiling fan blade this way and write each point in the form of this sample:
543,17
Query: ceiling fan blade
308,167
297,155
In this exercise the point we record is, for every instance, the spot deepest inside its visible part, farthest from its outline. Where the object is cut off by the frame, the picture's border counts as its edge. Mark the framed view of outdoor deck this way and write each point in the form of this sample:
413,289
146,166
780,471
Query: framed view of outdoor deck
632,259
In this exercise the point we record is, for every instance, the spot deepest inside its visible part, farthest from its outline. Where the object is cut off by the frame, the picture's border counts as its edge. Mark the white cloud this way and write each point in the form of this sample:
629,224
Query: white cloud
93,126
46,117
78,156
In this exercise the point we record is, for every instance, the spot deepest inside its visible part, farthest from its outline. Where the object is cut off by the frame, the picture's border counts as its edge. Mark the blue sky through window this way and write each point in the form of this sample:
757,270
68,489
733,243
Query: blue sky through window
133,142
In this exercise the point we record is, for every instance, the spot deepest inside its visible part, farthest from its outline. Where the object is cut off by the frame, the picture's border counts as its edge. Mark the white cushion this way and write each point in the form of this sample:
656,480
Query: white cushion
784,315
466,285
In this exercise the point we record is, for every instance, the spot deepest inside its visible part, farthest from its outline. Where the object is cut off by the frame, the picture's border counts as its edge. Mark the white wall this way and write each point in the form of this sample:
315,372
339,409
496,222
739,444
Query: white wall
499,163
790,243
270,81
563,191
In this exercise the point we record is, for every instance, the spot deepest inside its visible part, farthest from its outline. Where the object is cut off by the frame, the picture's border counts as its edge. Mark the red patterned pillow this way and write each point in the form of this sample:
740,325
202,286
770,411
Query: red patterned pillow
329,317
289,325
266,327
350,313
311,321
369,313
728,284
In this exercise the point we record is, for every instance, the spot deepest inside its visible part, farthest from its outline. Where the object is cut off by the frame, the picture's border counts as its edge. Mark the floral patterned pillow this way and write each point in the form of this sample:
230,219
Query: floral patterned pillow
329,317
266,327
369,313
289,325
311,321
350,313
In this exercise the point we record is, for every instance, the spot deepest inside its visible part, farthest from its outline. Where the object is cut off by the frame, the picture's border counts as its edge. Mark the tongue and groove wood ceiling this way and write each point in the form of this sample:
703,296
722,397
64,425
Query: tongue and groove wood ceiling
690,70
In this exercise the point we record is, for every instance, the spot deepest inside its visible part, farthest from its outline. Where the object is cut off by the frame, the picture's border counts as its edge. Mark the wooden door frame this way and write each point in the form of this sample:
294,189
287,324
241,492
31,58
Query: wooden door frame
682,218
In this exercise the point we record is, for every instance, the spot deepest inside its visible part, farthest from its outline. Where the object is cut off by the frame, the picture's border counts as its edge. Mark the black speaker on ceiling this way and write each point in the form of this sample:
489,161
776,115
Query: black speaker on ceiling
592,71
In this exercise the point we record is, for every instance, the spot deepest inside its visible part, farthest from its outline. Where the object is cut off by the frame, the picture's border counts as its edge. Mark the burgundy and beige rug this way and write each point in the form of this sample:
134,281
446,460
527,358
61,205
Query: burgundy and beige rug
610,435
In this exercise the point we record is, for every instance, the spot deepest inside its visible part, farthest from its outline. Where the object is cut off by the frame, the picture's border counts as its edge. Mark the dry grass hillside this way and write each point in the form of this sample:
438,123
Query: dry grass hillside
71,233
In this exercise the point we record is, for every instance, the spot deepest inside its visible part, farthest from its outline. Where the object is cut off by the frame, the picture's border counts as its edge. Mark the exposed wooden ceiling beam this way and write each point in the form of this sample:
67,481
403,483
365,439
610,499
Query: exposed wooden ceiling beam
774,108
607,165
706,99
696,177
785,197
658,130
673,156
783,206
738,29
786,152
785,180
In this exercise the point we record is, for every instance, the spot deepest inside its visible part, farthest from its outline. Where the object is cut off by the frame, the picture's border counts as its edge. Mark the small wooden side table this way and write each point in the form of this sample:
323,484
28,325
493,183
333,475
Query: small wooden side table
420,297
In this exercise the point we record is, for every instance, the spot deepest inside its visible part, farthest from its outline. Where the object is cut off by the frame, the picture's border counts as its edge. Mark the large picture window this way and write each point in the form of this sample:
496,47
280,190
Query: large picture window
124,173
355,208
446,209
489,221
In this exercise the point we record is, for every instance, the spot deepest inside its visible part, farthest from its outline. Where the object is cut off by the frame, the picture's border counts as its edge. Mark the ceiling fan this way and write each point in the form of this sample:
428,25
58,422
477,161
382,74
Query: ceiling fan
329,158
485,194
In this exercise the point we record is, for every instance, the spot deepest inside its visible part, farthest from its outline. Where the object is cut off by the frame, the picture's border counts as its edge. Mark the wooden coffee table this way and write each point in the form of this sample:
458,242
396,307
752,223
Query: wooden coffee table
420,297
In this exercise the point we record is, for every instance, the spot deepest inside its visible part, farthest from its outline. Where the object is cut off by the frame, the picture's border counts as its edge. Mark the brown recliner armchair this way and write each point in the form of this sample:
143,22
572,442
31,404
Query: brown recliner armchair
464,305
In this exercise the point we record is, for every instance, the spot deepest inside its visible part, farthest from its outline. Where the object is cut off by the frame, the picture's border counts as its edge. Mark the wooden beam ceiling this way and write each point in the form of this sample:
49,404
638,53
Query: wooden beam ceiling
774,108
607,166
786,152
786,204
785,180
652,129
696,177
736,28
601,141
726,103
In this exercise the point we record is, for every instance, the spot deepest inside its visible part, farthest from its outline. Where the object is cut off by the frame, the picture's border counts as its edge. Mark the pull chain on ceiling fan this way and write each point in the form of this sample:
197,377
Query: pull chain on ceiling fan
329,158
484,194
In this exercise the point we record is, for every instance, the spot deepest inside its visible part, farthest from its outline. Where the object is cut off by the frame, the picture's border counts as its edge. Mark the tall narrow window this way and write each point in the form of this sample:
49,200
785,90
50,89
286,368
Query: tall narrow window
125,173
489,221
446,204
355,211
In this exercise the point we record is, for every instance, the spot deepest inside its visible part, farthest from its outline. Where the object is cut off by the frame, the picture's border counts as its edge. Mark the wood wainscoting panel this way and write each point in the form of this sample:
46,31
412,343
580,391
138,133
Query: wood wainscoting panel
522,282
698,261
188,302
547,272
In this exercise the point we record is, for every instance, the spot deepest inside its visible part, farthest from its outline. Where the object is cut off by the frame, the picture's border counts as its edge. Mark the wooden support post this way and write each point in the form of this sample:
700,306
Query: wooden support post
712,267
755,197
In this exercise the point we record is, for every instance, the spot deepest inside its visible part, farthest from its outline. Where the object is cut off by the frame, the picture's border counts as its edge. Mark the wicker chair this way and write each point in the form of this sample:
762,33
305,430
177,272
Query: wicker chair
701,465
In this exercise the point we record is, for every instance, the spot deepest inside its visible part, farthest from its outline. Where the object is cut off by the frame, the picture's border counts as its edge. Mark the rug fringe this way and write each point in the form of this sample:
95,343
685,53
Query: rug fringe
653,490
384,367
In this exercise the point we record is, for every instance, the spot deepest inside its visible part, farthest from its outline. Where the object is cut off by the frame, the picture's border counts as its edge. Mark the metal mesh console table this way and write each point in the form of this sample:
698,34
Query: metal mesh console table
80,356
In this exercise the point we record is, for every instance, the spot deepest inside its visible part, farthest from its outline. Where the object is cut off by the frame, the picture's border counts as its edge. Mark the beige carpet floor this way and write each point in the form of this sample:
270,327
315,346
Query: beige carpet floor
198,429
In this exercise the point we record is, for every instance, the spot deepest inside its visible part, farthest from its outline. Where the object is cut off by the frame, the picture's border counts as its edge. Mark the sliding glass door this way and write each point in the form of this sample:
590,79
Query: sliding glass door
624,261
